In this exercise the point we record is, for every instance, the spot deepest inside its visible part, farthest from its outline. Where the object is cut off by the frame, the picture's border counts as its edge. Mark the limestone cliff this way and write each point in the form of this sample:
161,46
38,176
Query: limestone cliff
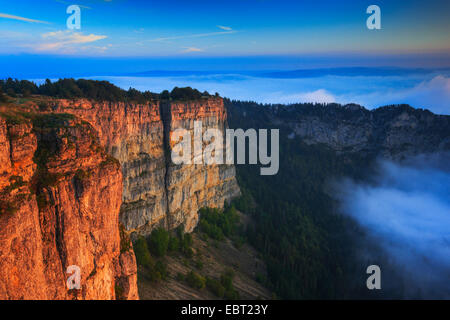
63,194
391,132
60,196
190,187
156,192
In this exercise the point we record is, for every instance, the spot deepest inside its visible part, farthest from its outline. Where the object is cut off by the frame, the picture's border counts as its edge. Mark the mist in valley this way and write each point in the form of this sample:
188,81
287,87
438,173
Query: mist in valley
404,211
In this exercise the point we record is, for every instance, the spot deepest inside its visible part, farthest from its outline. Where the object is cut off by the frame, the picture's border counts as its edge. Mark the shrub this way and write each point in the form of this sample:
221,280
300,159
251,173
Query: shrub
154,275
238,241
195,280
159,242
199,264
189,253
226,279
142,253
161,268
186,93
174,244
187,240
232,294
180,276
218,223
215,287
124,239
186,244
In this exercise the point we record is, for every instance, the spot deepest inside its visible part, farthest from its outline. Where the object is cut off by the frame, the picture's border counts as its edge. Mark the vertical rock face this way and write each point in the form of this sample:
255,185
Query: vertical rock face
62,191
60,196
133,134
193,186
155,191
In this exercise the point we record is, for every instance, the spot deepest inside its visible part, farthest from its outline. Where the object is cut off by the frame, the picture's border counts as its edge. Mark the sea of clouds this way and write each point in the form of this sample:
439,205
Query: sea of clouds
405,210
422,90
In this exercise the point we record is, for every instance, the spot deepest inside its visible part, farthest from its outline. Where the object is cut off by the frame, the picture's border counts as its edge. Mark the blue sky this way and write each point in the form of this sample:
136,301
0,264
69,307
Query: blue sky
120,28
234,41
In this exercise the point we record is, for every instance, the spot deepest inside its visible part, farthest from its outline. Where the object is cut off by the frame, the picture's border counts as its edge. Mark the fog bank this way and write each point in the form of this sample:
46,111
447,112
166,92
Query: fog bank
405,210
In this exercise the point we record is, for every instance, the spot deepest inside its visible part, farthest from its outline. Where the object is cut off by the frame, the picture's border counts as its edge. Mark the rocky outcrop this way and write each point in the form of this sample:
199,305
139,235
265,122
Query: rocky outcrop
156,192
391,132
60,196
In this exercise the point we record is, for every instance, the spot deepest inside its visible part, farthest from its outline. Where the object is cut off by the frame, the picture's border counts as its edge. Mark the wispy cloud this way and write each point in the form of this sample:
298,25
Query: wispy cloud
197,35
140,30
10,16
319,96
65,40
192,49
225,28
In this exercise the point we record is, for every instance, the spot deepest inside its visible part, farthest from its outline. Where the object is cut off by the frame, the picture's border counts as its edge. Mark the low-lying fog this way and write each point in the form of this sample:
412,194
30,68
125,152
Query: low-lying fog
405,210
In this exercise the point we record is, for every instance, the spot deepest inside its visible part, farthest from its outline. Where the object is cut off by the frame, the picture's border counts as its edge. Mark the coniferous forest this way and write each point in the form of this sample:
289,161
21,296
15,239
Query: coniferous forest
312,251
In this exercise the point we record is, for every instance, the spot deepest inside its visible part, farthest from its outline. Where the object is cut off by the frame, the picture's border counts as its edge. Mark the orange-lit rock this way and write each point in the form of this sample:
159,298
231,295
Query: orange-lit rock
155,192
64,212
61,191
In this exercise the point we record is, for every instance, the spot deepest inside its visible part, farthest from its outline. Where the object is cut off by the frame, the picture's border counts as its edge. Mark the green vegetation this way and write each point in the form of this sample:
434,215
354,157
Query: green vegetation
226,279
223,288
174,244
217,223
10,205
180,277
310,251
186,94
195,280
215,287
125,243
150,252
3,98
92,89
143,257
199,263
186,244
46,150
51,120
159,242
154,271
161,269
